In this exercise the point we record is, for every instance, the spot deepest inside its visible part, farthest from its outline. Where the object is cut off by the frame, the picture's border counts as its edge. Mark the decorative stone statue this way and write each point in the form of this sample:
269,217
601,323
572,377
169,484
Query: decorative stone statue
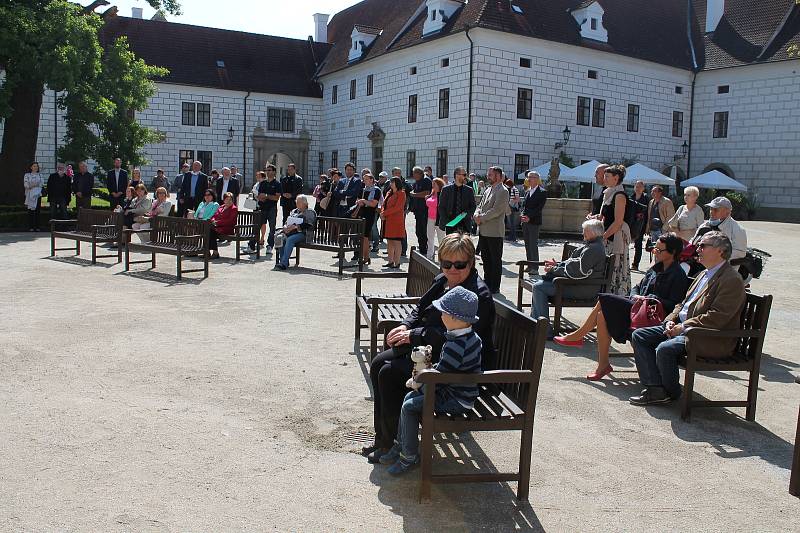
554,187
423,359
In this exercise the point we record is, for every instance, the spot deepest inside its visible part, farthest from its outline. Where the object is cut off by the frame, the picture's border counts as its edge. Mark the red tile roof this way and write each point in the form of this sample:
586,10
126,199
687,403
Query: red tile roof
258,63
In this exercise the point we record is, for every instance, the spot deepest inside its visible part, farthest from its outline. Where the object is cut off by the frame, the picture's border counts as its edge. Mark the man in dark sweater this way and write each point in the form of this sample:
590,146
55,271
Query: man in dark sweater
455,199
420,189
291,186
59,192
82,184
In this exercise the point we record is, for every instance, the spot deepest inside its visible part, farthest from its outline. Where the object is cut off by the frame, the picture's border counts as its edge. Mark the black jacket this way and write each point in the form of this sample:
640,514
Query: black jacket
83,183
426,326
114,185
292,185
200,187
667,286
533,205
447,206
59,188
233,187
418,205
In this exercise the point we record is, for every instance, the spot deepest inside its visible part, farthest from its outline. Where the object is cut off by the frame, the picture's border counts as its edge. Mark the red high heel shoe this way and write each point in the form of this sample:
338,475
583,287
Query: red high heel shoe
564,342
597,376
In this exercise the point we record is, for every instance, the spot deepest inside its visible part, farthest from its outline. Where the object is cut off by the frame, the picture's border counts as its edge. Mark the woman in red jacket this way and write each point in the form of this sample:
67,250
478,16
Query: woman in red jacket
223,222
394,221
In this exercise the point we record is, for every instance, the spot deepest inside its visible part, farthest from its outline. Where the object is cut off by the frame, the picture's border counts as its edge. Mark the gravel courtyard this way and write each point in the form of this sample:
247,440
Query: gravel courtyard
134,402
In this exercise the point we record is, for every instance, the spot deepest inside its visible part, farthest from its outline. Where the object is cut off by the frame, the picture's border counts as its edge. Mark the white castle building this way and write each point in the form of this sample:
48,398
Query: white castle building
480,82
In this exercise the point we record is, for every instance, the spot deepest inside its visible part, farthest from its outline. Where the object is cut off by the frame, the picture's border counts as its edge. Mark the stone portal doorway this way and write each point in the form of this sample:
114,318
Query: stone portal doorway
280,151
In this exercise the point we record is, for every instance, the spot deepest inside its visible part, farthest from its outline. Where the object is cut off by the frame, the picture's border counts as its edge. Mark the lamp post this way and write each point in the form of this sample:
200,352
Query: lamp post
566,133
230,134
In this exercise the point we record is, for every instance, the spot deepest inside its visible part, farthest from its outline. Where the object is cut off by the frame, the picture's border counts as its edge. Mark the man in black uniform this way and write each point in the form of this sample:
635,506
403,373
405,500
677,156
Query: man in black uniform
420,188
268,193
291,186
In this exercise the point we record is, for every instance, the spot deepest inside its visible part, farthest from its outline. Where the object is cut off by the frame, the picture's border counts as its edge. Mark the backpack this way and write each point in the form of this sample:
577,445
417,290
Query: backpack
630,211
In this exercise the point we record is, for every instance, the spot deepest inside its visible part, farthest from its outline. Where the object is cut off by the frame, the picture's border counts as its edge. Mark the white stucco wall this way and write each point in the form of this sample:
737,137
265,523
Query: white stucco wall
763,145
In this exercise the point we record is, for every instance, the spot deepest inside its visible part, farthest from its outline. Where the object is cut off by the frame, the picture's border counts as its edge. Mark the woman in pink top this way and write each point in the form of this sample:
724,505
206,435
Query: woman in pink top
432,202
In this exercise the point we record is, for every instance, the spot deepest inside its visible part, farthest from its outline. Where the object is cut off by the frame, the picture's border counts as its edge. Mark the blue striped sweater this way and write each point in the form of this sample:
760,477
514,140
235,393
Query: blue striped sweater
461,354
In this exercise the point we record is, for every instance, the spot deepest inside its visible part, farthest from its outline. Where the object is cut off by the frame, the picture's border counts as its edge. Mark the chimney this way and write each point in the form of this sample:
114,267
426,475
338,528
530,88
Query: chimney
714,11
136,12
321,27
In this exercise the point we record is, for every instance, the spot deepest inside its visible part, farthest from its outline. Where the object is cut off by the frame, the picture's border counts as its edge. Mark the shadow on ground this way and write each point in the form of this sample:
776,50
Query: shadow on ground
457,506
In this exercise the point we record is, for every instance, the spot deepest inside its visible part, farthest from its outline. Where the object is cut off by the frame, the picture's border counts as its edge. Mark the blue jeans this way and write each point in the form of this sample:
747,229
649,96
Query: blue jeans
657,358
288,246
410,416
541,290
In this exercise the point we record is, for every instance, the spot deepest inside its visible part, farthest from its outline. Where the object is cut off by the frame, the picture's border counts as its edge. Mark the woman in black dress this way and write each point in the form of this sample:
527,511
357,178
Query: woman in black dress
366,206
665,281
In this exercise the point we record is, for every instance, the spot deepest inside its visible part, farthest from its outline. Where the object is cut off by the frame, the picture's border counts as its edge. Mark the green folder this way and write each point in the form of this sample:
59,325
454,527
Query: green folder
453,223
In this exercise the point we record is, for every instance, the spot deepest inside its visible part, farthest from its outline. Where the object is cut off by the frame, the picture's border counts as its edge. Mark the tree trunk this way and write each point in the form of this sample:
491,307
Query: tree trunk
20,135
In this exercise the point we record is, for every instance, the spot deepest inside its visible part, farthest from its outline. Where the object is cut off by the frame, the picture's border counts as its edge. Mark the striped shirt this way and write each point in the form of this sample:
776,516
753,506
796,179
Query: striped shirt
461,354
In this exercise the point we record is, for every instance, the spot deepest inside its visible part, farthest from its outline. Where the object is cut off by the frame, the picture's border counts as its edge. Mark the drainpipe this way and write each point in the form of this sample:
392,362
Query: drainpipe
244,140
469,111
55,129
695,70
691,123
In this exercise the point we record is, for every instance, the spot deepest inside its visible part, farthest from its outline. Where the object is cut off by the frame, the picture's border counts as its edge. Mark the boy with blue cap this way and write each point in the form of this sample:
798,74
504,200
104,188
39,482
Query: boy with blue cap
461,353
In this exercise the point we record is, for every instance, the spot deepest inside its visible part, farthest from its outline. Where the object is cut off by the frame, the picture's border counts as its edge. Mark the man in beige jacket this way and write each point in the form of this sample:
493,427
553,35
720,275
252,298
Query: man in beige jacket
714,301
660,208
490,216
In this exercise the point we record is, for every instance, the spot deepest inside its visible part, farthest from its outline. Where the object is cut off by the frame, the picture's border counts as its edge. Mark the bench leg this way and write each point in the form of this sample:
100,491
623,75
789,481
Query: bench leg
373,341
426,458
525,448
557,320
341,264
94,252
77,247
358,322
519,294
180,266
752,395
238,249
153,260
688,387
52,245
127,259
119,252
206,259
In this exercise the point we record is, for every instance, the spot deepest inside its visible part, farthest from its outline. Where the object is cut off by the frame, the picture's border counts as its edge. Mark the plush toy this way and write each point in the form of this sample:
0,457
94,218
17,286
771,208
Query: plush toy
422,357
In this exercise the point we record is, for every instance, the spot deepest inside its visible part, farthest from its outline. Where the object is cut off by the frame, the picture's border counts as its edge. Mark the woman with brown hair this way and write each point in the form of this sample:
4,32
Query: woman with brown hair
138,206
222,222
617,234
394,221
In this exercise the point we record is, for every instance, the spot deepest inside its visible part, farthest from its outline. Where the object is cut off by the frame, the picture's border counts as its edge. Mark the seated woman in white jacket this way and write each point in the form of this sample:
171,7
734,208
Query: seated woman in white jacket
160,207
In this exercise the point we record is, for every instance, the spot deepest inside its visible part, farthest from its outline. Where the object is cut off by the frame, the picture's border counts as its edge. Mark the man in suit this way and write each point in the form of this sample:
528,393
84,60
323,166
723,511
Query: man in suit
599,187
532,206
59,192
420,188
117,183
193,186
490,216
82,185
714,301
228,183
456,198
177,185
291,186
347,191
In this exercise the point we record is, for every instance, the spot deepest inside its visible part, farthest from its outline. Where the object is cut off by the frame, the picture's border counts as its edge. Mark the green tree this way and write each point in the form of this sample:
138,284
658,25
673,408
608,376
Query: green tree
54,43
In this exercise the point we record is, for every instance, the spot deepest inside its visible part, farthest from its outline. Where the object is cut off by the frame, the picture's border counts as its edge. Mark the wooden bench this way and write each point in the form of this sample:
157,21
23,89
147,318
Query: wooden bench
340,235
247,228
507,400
180,237
794,480
560,301
92,225
746,356
384,311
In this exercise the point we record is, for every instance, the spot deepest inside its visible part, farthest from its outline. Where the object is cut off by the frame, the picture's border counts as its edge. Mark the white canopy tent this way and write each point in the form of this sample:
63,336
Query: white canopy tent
714,179
581,174
646,174
544,171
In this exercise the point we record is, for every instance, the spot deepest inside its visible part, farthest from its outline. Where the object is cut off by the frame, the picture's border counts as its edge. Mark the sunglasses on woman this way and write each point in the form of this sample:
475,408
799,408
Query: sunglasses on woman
458,265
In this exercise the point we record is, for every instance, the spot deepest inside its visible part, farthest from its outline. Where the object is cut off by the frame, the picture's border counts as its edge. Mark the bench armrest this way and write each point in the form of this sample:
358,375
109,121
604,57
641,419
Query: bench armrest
432,377
186,237
376,275
530,263
577,282
103,226
719,334
398,300
131,230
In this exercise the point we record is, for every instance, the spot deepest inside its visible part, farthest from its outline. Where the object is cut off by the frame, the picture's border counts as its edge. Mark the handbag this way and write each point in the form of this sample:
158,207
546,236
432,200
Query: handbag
646,312
324,203
250,203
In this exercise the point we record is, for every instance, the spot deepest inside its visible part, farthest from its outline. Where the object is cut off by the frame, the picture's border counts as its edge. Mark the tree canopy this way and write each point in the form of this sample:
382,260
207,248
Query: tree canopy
55,44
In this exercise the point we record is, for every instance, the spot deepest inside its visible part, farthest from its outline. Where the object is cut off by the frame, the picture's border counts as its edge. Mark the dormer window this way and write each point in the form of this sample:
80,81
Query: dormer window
439,13
589,16
362,37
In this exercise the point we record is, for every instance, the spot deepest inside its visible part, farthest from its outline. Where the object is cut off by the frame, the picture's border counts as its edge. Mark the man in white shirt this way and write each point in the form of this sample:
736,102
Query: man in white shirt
721,220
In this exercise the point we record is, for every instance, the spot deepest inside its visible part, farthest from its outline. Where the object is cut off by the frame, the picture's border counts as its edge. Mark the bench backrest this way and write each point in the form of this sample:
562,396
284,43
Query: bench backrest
421,272
755,316
163,230
249,218
609,268
519,340
91,217
328,230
